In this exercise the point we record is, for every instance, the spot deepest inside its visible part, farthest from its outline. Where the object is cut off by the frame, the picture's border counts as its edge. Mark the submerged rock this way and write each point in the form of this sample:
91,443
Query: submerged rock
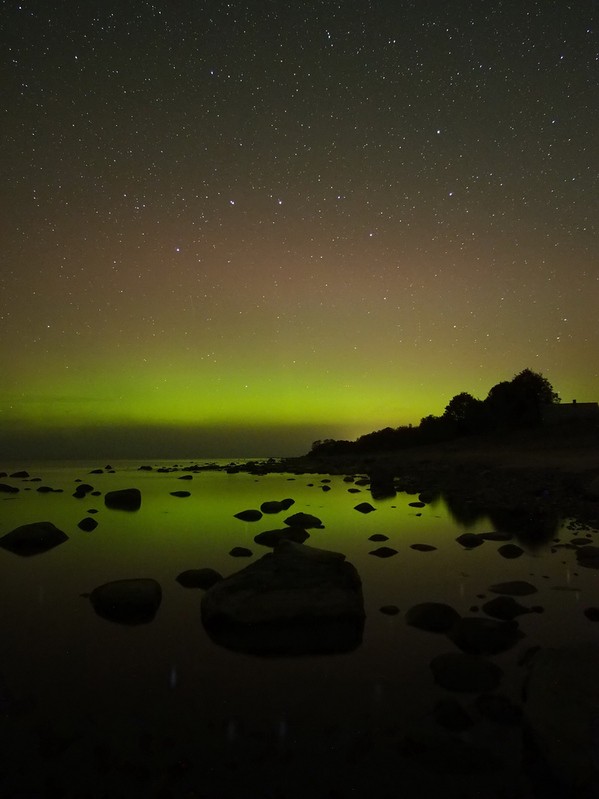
134,601
364,507
305,520
435,617
270,538
87,524
423,547
199,578
470,540
33,539
276,506
180,493
125,499
7,489
250,515
383,552
505,608
514,588
295,600
510,551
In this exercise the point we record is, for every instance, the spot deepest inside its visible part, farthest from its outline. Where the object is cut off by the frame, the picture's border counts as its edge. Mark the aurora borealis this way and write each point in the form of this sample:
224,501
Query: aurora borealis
233,228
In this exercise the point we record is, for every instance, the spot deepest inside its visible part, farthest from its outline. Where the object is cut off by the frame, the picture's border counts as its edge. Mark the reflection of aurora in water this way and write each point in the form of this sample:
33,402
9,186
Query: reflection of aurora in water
168,675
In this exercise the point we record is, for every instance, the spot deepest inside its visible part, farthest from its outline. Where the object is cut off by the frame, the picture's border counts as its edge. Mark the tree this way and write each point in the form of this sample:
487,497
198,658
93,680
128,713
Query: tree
466,413
520,402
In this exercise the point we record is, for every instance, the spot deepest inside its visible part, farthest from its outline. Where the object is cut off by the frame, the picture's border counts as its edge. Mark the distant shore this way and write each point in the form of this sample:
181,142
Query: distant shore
545,470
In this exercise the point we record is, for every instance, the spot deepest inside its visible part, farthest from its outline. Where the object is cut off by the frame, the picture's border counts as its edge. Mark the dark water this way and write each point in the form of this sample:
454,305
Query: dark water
93,708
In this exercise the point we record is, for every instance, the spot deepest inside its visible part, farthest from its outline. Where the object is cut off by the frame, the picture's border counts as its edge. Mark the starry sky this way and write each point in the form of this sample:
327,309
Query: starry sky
231,228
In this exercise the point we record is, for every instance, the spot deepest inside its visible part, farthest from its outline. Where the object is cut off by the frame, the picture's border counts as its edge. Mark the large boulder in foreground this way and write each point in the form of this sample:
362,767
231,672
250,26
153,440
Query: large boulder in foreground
296,600
125,499
134,601
31,539
561,709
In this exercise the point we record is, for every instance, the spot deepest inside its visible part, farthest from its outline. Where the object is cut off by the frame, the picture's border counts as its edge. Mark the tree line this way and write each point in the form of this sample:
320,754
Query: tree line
512,404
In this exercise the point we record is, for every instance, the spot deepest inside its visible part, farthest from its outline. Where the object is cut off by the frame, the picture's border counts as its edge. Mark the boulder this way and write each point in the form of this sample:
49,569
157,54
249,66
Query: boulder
276,506
470,540
250,515
6,489
510,551
514,588
180,493
87,524
241,552
505,608
134,601
435,617
305,520
82,490
364,507
588,556
199,578
423,547
270,538
295,600
383,552
378,537
32,539
125,499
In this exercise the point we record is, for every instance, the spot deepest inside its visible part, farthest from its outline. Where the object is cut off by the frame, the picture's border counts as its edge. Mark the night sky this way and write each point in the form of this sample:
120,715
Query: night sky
232,228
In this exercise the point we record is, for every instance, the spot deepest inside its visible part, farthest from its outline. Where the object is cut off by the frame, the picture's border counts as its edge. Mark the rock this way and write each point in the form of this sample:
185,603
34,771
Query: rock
470,540
476,635
48,490
353,491
21,474
435,617
125,499
364,507
423,547
276,506
82,490
305,520
460,672
383,552
378,537
270,538
199,578
495,536
588,557
241,552
186,477
6,489
426,496
389,610
416,504
295,600
250,515
382,486
505,608
134,601
561,711
510,551
180,493
592,614
33,539
87,524
144,469
514,588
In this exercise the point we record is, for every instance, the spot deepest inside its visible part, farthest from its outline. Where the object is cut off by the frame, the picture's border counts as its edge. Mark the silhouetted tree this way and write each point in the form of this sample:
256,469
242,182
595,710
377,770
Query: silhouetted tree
465,413
519,402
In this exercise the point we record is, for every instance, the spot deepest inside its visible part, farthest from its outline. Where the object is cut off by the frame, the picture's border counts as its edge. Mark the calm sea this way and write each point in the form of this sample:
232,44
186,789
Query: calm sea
94,708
